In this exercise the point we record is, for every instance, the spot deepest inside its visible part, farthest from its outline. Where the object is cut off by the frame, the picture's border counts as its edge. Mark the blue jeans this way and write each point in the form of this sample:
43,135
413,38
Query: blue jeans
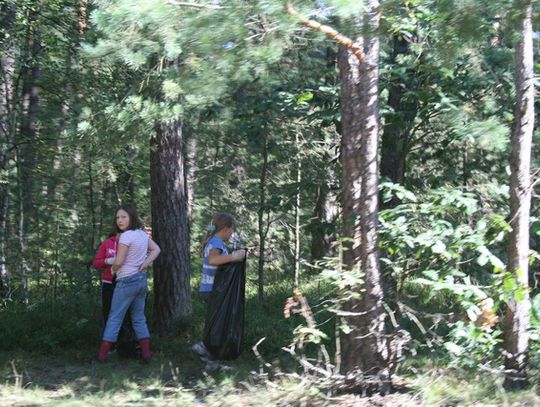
129,294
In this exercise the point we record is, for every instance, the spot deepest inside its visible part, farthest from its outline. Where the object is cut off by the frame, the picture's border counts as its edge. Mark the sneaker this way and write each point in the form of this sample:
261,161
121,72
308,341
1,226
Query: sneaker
200,350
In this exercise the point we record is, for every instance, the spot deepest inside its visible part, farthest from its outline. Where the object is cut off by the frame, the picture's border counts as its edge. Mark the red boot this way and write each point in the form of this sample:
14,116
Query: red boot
145,349
104,350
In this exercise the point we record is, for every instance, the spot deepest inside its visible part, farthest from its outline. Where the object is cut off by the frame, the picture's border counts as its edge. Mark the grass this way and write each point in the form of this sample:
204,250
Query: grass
47,359
175,378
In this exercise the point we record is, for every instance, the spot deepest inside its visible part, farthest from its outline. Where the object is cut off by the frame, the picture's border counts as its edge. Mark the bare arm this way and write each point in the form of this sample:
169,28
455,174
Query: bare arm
216,259
121,254
153,252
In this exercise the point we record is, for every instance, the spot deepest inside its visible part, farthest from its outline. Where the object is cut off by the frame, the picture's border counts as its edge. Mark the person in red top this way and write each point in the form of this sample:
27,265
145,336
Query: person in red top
103,261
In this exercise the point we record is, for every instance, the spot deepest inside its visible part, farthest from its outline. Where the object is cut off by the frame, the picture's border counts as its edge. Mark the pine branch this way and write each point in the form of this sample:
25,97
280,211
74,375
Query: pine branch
330,33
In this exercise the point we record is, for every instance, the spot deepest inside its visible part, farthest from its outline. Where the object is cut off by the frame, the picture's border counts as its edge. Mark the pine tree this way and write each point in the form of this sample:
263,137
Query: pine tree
517,318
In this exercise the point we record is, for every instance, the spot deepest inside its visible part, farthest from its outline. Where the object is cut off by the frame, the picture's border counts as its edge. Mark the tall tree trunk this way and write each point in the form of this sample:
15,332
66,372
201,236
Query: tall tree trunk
351,126
366,351
30,106
27,139
396,138
170,227
326,209
397,130
516,324
7,130
262,211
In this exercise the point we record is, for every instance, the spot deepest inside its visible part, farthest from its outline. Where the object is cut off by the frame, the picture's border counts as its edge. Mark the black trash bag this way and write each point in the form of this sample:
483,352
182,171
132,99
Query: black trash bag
224,328
127,345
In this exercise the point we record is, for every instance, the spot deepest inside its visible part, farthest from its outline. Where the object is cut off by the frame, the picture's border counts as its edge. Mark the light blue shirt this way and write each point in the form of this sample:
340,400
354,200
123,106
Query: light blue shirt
209,271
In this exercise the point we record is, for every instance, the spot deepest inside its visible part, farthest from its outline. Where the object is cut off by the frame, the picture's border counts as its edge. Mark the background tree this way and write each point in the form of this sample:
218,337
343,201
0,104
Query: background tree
517,315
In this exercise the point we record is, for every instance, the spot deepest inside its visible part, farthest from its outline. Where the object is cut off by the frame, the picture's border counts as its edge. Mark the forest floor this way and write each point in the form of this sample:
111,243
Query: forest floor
176,378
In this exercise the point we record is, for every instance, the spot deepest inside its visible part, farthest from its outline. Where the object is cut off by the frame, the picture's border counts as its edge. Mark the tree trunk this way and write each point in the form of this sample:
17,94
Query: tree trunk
516,324
297,213
21,238
396,139
5,285
397,129
170,227
350,154
318,247
191,171
7,129
262,210
30,106
366,351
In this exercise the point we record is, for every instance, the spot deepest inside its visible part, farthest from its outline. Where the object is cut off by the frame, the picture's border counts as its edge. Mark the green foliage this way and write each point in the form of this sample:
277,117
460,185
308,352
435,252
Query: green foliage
248,80
440,238
470,347
62,323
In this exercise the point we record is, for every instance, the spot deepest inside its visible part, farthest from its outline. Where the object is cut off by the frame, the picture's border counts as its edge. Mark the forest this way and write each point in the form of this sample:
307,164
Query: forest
379,158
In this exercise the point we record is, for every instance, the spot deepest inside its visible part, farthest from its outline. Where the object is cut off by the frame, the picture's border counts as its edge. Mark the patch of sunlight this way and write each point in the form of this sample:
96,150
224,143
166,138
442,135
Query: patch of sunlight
447,387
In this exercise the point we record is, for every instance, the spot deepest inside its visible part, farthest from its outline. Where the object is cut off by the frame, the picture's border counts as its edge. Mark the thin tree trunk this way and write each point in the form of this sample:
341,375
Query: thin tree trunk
517,319
23,265
297,215
399,122
91,203
366,351
5,285
192,169
30,105
7,129
318,247
324,217
262,210
170,227
466,165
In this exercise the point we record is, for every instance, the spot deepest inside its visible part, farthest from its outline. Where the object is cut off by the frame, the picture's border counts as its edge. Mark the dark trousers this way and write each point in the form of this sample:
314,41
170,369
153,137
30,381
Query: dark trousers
205,296
107,290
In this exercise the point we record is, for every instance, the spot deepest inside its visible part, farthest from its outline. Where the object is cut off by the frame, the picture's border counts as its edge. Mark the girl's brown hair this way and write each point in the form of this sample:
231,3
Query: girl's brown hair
220,221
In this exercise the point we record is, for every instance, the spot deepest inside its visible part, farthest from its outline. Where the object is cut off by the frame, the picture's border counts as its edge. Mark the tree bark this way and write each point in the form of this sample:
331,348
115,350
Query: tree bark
399,122
297,210
191,171
351,103
21,238
262,210
396,139
5,284
30,106
7,129
170,227
366,350
517,320
324,218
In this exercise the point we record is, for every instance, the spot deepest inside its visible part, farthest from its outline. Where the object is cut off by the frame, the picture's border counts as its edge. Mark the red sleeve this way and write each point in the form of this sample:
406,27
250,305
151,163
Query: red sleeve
99,260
